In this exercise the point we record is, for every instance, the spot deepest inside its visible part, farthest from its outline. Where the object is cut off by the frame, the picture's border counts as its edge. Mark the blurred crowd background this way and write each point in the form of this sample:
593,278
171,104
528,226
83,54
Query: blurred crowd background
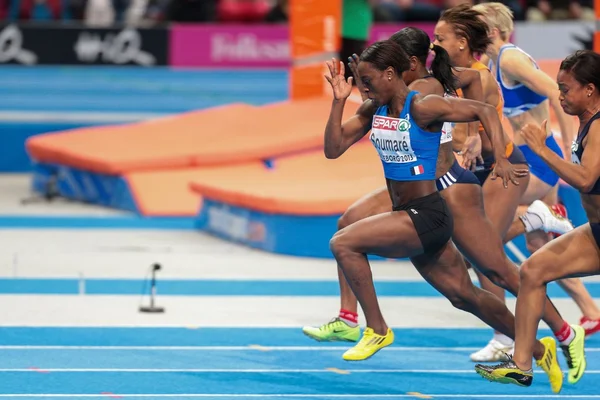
153,12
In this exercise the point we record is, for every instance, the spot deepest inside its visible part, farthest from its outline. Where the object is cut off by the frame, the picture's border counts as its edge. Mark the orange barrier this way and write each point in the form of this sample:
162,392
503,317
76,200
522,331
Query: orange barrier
233,134
315,27
304,185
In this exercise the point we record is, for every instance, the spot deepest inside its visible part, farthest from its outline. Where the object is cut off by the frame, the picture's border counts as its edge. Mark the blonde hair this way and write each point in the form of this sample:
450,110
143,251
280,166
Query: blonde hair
498,16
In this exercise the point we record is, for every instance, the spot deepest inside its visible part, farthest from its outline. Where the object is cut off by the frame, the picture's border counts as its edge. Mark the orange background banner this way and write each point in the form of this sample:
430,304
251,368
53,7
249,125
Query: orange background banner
315,27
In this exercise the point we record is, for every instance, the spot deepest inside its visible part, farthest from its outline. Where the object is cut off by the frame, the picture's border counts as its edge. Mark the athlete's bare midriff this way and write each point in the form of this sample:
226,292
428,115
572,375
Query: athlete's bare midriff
403,192
534,116
591,205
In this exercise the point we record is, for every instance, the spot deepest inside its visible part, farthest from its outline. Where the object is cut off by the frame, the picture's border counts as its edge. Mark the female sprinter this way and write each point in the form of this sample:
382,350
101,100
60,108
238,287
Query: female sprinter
576,253
473,233
406,130
463,32
528,94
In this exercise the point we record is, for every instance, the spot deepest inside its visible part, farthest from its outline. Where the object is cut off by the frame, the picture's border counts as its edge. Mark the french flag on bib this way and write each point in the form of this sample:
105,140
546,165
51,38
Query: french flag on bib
417,170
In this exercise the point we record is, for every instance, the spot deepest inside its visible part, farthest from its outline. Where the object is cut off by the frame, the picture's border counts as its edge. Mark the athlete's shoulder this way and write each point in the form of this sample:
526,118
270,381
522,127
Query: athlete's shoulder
479,66
425,105
367,109
515,55
428,85
426,98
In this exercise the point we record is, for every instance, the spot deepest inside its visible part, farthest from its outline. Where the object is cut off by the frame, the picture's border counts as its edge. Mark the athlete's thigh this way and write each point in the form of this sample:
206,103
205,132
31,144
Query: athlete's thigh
574,254
445,271
501,203
464,201
536,239
537,190
551,197
373,203
391,235
474,234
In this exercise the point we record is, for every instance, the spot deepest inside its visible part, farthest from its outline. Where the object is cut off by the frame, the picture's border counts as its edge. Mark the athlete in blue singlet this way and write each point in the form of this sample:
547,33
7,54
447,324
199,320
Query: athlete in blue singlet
473,233
576,253
528,94
406,131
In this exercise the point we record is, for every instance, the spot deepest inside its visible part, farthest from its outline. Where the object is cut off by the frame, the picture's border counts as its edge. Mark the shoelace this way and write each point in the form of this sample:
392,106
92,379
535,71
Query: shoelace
509,363
331,324
366,339
567,354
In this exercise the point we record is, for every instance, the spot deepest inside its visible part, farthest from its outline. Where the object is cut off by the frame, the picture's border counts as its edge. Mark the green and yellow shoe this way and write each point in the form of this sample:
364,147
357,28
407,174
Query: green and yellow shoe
335,330
575,355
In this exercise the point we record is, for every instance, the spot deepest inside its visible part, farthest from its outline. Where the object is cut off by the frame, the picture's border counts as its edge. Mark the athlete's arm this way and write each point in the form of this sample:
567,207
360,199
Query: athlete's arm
583,176
433,109
340,136
353,64
436,109
518,67
469,81
491,91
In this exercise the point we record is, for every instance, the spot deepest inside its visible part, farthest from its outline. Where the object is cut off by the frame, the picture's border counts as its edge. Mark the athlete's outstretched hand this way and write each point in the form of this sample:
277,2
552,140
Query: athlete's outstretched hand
353,64
337,80
505,170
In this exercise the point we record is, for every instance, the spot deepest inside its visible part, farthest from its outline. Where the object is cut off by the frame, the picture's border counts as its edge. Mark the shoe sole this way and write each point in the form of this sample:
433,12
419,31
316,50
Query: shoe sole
496,379
580,373
318,339
366,358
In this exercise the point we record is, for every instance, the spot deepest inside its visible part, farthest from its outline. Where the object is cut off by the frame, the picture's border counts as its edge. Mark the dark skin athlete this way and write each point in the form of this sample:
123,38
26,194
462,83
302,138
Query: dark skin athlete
576,253
392,233
500,204
473,234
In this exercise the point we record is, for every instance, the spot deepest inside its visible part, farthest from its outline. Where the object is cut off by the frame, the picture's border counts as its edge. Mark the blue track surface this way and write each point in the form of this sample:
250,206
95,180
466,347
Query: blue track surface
237,363
215,363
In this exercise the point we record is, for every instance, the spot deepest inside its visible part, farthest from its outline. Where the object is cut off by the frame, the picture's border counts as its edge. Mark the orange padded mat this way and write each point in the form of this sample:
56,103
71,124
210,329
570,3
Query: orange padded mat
168,193
232,134
170,162
306,184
